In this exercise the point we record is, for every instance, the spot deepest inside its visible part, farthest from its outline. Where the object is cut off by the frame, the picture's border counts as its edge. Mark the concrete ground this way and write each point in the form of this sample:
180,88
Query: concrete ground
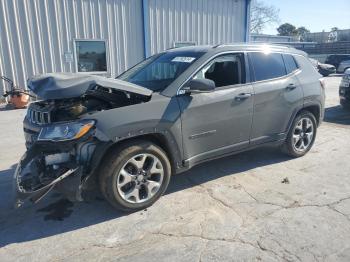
256,206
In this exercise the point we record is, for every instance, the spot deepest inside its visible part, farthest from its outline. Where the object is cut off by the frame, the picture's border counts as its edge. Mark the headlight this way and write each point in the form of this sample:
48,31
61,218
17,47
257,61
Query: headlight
66,131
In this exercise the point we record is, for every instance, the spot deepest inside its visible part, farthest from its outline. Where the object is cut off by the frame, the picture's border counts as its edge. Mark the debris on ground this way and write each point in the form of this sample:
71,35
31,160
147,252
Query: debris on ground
285,180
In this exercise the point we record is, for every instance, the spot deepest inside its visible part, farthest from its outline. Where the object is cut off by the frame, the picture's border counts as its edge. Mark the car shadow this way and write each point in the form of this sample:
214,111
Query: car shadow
7,107
337,115
227,166
55,215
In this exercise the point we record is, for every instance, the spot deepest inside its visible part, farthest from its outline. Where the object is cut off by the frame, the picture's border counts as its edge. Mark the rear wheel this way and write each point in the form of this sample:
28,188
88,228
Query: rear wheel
134,176
301,136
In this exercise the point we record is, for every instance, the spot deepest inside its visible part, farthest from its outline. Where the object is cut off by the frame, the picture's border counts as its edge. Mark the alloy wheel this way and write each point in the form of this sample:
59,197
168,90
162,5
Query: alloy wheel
140,178
303,134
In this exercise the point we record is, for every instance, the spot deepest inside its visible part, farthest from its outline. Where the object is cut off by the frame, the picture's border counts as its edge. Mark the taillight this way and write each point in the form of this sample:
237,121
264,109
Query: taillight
323,83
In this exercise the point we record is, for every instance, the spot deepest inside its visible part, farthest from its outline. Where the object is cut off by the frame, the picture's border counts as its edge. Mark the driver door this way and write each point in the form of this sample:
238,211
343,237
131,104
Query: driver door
218,122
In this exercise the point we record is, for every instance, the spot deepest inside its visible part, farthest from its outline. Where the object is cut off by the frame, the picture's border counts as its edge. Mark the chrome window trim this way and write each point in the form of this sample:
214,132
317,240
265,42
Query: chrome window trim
245,53
204,64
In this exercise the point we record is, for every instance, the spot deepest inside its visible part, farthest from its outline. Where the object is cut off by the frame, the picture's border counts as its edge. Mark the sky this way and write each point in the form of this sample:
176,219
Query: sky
315,15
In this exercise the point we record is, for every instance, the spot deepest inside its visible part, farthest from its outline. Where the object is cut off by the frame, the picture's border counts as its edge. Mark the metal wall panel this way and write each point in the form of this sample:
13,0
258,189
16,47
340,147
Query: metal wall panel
199,21
35,34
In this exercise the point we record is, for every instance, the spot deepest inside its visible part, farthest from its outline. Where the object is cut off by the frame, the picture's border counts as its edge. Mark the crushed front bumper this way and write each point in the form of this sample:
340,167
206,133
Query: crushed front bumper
46,166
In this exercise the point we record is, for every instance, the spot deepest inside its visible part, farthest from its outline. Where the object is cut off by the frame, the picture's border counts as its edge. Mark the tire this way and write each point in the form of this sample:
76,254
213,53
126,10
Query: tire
345,104
294,147
147,183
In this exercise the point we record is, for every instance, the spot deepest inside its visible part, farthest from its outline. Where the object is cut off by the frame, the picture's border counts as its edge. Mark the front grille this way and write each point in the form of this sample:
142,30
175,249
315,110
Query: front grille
39,117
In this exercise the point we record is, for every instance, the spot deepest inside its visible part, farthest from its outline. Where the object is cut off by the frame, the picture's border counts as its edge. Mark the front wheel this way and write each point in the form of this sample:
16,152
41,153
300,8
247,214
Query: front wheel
301,136
134,176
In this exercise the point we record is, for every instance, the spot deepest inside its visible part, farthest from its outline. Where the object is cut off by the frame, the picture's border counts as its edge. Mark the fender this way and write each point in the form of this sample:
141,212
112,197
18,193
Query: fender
299,108
166,138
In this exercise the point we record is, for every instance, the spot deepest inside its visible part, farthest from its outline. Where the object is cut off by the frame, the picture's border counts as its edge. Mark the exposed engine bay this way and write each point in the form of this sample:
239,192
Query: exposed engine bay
96,99
63,146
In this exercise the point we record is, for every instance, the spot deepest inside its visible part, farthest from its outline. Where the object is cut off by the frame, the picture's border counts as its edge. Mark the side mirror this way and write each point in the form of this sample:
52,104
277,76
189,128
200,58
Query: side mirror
196,86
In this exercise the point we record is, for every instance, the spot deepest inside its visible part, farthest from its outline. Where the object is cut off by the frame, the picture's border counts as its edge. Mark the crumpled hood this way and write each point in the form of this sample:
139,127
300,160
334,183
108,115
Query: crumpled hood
68,85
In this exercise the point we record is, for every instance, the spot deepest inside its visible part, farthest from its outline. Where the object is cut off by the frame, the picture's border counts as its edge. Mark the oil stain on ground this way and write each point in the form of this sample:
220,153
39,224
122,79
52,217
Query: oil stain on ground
58,210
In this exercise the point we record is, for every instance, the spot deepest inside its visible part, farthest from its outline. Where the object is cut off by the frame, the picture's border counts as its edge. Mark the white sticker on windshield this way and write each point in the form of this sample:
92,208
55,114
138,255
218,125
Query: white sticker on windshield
183,59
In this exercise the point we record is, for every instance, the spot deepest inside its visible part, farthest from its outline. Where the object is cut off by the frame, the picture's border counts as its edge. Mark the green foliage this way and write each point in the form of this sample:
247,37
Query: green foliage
287,29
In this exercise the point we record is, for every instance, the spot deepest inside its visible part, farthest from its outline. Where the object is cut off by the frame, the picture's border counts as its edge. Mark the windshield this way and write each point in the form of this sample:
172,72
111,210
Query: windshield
159,71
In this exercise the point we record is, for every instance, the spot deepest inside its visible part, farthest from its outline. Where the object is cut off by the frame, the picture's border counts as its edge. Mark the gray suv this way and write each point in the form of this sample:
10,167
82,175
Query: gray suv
165,115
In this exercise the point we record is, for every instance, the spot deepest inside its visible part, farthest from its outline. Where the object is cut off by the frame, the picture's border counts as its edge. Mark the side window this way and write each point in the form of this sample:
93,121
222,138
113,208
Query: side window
267,66
225,70
290,63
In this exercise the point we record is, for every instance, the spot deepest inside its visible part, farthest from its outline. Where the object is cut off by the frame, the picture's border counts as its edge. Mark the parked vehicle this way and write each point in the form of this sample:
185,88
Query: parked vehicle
167,114
344,90
336,59
323,69
343,66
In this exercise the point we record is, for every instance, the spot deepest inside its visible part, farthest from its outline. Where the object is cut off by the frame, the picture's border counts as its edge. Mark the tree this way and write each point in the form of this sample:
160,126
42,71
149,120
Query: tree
262,15
301,32
334,29
287,29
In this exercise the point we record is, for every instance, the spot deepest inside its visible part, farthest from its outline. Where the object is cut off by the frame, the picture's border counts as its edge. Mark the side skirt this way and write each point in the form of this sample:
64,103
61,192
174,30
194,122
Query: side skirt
235,149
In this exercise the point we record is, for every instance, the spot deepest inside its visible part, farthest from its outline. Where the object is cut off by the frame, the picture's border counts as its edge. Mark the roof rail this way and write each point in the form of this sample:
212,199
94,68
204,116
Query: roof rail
215,46
277,45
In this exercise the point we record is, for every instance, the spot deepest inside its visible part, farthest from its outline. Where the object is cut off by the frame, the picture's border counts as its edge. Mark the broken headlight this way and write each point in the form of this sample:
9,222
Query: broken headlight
65,131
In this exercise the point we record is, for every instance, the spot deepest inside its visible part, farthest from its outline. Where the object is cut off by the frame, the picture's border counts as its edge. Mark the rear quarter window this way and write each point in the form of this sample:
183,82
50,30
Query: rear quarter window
267,66
307,67
290,63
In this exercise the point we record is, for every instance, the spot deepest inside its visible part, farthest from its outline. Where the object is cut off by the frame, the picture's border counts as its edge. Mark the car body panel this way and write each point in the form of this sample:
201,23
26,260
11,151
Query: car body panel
313,93
274,104
214,120
336,59
344,88
161,115
344,65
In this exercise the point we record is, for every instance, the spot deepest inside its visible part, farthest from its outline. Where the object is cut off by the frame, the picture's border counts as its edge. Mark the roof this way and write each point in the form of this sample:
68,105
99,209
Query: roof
239,47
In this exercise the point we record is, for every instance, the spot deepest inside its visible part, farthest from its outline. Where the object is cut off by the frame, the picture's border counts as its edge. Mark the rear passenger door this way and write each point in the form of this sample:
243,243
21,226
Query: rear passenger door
277,95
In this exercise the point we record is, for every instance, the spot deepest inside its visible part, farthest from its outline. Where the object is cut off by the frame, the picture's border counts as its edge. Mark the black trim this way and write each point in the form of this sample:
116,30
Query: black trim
267,139
190,163
216,153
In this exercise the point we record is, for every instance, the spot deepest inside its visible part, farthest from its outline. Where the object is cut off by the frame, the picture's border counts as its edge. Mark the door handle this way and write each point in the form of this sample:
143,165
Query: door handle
243,96
291,87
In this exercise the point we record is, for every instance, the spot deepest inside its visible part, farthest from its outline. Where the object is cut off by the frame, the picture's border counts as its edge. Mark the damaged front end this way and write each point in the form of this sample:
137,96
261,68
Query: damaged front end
64,146
61,158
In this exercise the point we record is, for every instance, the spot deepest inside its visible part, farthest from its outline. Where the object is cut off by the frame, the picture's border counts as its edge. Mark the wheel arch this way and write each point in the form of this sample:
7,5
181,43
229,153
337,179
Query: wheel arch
162,139
314,108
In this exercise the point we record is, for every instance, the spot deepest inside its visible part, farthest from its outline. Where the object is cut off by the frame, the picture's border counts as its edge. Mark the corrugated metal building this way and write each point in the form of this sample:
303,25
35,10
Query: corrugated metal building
108,36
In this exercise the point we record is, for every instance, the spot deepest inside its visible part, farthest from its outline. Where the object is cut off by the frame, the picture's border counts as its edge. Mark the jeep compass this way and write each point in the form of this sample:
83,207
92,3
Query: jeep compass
165,115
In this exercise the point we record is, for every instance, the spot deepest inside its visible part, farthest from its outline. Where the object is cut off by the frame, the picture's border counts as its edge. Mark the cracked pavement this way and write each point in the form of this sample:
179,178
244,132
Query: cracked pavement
231,209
